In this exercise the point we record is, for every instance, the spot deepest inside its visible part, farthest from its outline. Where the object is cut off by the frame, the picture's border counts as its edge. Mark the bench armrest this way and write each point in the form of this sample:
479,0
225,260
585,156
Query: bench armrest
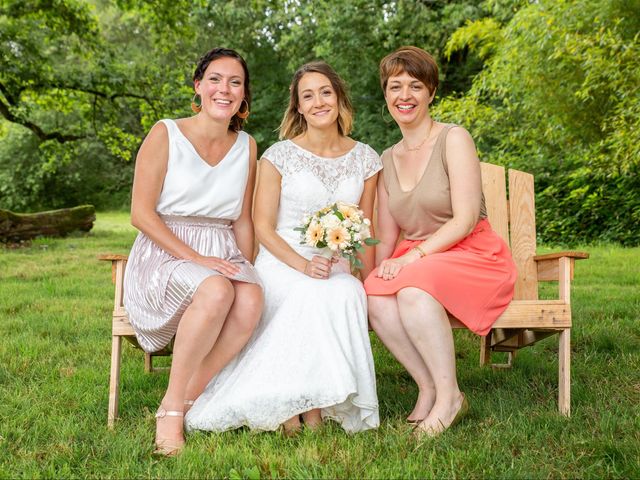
549,264
112,257
554,255
118,265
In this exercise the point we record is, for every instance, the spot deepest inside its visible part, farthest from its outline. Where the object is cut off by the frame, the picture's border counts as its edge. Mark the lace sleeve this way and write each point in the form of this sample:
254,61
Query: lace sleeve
275,155
372,162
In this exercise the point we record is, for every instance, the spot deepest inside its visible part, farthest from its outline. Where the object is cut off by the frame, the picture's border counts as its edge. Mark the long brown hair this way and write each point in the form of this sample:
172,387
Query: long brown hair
293,122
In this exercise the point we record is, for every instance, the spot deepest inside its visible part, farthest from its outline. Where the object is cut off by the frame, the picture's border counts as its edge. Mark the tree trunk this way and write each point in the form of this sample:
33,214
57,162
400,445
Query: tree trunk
15,227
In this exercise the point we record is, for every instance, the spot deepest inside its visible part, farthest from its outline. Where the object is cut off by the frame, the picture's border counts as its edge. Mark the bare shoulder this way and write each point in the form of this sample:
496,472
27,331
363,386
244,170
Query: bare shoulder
460,143
459,136
253,152
252,142
158,131
156,140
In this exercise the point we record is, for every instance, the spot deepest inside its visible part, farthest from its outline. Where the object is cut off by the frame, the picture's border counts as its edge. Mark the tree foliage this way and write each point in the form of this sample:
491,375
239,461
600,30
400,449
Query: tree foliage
547,86
558,97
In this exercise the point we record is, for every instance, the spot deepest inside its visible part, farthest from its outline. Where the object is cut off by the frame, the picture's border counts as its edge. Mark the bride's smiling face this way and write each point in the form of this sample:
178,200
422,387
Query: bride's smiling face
317,100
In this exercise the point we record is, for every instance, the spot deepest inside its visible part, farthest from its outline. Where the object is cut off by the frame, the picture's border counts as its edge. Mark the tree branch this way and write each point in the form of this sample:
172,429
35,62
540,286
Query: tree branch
41,134
97,93
10,98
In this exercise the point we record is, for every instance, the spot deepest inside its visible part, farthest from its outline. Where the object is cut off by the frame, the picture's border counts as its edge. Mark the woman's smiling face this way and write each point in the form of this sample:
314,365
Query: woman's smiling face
407,98
221,88
317,100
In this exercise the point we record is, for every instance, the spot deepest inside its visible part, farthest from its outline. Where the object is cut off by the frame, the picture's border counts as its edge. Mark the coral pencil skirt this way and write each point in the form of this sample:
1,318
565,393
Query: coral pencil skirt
473,280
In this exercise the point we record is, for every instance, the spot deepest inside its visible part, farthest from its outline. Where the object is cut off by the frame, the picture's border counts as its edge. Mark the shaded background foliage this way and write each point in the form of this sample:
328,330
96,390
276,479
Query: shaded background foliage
546,86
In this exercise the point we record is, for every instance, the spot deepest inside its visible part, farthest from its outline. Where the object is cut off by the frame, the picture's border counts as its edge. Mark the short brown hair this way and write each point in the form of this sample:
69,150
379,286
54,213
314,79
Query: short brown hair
293,122
412,60
236,122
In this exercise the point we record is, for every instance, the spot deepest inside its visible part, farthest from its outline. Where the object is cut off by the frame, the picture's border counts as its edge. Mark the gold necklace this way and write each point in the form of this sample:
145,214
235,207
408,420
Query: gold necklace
415,149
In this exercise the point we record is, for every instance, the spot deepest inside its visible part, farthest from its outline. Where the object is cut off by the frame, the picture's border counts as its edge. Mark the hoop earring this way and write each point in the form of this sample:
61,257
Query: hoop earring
382,115
196,107
245,114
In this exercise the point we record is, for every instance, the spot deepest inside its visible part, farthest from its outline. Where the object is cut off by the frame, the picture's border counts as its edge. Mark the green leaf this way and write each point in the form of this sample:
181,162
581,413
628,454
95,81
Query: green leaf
252,473
371,241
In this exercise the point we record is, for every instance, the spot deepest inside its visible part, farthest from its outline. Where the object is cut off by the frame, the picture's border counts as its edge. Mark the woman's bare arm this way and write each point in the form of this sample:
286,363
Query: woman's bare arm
243,226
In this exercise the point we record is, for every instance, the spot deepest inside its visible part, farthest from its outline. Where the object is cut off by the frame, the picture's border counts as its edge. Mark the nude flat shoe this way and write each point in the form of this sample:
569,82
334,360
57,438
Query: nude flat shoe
464,409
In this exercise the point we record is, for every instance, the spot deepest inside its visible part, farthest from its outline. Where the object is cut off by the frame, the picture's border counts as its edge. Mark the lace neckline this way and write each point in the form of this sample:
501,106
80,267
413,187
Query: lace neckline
331,159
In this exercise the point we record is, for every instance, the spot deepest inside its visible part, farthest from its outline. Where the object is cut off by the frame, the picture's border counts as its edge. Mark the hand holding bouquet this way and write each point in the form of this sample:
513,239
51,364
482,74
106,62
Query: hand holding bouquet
338,229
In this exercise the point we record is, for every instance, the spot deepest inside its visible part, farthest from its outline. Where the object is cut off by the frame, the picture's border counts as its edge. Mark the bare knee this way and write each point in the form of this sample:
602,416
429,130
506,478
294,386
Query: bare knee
381,310
418,306
249,301
375,309
415,297
215,294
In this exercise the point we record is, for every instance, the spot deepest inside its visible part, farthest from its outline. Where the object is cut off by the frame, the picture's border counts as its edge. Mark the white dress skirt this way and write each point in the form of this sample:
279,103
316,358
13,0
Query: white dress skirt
311,349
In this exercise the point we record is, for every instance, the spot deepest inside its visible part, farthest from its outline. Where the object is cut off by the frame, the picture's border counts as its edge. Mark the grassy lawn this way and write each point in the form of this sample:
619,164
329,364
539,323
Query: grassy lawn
55,307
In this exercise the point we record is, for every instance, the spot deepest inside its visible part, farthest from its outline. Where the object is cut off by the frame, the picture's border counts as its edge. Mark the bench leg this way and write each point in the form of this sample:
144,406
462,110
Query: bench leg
511,355
148,363
114,381
564,372
485,349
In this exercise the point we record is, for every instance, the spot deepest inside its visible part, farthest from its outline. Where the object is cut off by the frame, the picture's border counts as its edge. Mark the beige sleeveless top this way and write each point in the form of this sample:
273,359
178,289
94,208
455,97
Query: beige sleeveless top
424,209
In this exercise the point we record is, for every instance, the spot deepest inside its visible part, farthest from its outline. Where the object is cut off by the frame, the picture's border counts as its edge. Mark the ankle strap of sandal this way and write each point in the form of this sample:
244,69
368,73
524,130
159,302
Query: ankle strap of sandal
161,413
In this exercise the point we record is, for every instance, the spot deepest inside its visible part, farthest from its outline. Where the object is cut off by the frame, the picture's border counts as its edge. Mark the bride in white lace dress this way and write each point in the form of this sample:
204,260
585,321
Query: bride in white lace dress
310,357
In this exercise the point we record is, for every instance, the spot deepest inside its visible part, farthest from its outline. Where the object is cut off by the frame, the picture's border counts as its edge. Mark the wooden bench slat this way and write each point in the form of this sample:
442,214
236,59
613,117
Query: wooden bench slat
112,256
554,255
494,188
523,234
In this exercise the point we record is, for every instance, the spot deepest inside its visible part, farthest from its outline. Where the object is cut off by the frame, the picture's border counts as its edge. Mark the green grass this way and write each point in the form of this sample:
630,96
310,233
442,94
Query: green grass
55,307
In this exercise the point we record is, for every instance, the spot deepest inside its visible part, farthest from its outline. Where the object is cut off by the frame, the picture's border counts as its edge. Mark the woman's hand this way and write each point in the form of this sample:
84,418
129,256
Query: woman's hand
390,268
318,267
223,266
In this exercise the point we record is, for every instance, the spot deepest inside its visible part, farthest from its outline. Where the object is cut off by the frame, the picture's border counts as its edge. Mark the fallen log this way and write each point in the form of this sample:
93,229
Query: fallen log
15,227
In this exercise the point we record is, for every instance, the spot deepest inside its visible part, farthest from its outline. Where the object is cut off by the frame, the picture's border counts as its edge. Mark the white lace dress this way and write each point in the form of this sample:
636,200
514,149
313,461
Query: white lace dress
311,349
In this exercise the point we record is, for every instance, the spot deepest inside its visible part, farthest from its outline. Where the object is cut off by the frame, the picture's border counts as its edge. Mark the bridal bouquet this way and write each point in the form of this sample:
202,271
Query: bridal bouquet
338,229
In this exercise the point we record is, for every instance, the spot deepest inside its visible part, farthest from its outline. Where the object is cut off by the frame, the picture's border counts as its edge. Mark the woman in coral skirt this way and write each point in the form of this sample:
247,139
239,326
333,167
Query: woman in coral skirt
449,260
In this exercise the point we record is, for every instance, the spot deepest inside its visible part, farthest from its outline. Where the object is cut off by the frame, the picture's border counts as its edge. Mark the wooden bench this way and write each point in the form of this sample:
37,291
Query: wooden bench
122,329
526,320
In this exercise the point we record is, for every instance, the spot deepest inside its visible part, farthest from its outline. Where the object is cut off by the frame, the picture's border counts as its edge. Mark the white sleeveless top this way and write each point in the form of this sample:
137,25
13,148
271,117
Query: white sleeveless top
192,187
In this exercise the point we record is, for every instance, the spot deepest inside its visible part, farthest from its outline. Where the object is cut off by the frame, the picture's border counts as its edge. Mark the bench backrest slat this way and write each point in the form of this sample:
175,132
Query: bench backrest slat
522,221
494,188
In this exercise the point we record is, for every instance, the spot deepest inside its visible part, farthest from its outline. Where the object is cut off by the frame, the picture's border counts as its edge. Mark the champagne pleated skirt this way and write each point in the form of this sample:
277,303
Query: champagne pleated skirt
473,280
158,287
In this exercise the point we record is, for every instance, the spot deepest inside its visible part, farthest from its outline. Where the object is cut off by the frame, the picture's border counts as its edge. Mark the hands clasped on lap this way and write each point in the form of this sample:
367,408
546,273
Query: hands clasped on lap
390,268
318,267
